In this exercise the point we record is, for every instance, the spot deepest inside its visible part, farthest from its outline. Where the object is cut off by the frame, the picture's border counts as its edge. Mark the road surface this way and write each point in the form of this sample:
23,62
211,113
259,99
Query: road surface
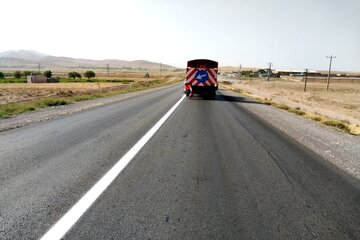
213,170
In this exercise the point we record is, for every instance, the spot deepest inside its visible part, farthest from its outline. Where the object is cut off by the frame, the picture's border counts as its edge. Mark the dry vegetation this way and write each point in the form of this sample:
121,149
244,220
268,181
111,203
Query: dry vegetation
20,92
228,69
339,106
16,98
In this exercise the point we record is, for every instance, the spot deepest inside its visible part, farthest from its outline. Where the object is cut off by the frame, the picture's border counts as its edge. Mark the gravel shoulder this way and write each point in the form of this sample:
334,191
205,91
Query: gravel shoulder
339,148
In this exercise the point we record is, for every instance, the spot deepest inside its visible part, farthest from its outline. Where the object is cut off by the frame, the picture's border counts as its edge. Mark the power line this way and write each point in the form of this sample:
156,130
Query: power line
240,67
328,78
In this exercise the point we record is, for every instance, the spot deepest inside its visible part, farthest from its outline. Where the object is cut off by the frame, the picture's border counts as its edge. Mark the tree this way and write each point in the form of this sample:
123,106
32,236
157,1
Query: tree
74,75
71,75
247,73
262,71
89,74
48,74
78,75
2,75
27,73
17,74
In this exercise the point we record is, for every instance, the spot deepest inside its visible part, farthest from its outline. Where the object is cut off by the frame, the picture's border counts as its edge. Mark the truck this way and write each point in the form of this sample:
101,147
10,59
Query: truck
201,78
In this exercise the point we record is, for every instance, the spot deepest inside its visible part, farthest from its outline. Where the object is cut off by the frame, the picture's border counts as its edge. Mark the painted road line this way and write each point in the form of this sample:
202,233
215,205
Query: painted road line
73,215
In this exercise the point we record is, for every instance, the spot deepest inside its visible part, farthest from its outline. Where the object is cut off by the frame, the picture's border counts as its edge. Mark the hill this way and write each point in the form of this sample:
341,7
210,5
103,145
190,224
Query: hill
30,59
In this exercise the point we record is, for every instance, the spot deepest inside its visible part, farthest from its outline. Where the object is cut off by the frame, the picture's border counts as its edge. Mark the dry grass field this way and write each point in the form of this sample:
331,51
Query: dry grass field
341,102
102,72
228,69
22,92
16,98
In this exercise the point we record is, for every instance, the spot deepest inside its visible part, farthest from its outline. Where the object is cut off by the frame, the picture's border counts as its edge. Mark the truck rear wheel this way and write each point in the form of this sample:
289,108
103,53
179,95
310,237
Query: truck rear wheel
212,95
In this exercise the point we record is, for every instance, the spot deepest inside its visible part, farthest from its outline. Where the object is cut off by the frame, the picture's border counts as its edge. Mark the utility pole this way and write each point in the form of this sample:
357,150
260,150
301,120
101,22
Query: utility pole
269,71
39,67
306,74
240,67
160,69
107,68
328,78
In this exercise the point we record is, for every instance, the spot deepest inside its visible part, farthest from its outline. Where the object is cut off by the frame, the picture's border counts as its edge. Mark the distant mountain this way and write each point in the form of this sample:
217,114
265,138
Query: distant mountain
29,59
22,54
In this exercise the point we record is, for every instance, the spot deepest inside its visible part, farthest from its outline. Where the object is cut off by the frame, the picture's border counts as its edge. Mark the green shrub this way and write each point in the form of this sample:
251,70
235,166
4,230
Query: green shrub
50,102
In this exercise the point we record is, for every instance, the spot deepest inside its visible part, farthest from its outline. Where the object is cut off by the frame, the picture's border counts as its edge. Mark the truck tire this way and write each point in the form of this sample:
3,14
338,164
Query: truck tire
212,95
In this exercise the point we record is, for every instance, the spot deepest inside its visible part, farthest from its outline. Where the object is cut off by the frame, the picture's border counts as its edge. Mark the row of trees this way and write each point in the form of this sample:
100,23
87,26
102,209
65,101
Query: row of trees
19,74
48,74
87,74
260,72
16,74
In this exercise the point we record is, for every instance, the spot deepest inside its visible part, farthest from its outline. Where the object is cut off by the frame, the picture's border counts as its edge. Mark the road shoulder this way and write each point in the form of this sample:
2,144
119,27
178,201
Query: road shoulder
339,148
59,111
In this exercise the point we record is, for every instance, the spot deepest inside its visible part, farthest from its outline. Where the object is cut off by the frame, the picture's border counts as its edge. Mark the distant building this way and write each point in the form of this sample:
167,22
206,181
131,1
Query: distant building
297,73
41,79
36,79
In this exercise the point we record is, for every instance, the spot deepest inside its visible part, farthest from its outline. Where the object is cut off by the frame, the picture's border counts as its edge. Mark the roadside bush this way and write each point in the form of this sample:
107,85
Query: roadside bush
338,124
2,76
54,102
296,111
283,106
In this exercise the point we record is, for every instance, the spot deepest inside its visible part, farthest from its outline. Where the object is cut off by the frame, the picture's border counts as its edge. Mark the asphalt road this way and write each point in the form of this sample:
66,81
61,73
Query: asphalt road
213,171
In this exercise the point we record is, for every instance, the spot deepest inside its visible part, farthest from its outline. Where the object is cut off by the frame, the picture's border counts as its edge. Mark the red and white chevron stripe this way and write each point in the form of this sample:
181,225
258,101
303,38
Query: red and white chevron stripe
191,72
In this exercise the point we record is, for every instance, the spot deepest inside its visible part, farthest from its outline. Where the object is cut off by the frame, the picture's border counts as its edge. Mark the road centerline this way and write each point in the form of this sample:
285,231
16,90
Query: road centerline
62,226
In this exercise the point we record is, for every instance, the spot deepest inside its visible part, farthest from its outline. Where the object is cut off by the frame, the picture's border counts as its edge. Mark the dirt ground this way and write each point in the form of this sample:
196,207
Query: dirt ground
19,92
22,92
341,101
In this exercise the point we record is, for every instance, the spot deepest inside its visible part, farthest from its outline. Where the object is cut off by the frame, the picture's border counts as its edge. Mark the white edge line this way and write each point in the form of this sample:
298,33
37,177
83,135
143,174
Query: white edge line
61,227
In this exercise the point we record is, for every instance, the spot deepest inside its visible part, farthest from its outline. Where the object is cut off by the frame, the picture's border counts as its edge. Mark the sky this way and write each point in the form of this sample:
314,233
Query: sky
292,34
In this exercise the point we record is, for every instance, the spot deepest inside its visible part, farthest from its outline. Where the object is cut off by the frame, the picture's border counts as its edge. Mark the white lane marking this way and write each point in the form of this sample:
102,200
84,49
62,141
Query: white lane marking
72,216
